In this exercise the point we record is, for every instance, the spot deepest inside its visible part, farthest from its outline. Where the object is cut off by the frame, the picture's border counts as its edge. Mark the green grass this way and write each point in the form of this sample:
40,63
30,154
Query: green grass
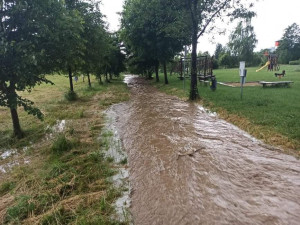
67,177
50,99
272,109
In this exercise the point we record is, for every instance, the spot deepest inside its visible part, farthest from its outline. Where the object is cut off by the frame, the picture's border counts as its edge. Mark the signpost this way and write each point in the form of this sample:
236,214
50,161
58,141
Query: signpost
243,74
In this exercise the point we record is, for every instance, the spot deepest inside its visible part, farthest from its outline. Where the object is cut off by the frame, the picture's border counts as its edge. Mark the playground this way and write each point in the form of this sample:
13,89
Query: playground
267,113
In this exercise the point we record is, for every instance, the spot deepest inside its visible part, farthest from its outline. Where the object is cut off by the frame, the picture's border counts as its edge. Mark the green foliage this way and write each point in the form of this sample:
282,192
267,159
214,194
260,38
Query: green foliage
296,62
152,32
202,18
59,216
6,187
242,42
21,210
24,53
228,61
124,161
71,96
289,48
61,144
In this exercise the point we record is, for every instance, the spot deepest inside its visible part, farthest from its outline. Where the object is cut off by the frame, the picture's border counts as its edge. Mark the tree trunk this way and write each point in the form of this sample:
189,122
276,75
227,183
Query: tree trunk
156,71
194,90
12,102
149,74
106,78
100,79
16,123
89,79
110,76
71,79
165,72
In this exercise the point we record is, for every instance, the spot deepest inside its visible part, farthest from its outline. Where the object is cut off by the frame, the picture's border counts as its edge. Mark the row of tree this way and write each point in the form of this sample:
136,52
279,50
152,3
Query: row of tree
154,31
289,47
42,37
243,41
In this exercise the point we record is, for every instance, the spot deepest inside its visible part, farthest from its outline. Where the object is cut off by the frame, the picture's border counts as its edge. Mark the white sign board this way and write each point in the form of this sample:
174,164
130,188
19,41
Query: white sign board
242,68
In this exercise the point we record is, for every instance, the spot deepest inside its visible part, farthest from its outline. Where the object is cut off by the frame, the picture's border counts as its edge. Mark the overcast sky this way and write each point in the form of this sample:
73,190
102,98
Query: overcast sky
273,16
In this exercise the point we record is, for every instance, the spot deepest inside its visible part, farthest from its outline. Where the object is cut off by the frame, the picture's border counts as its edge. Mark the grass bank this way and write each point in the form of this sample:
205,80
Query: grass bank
270,114
61,176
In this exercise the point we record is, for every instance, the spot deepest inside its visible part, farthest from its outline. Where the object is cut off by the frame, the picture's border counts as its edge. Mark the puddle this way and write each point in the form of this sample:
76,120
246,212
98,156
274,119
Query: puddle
5,168
8,153
58,127
187,166
12,157
120,180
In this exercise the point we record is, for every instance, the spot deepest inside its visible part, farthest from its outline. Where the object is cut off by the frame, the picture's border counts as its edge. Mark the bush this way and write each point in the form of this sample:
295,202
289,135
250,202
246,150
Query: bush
215,64
61,144
6,187
71,96
296,62
20,211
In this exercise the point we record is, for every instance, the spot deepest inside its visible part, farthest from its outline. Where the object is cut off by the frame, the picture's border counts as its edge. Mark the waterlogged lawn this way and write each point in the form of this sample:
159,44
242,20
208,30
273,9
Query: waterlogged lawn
273,110
66,177
51,101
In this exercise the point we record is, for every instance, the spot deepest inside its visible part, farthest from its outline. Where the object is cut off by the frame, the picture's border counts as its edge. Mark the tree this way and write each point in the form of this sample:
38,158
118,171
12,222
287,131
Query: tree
219,51
68,44
228,61
26,28
94,37
115,57
205,13
289,48
152,32
243,41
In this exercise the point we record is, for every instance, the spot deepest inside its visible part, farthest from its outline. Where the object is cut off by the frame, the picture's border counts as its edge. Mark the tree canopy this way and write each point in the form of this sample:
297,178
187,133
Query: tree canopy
40,37
203,15
154,31
26,27
242,42
289,48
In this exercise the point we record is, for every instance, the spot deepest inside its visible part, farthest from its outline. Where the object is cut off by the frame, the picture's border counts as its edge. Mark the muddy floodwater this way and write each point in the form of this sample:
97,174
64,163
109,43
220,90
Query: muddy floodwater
187,166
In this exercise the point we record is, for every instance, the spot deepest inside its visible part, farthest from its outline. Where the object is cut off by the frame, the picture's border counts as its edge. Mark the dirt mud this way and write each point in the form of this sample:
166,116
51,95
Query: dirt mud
187,166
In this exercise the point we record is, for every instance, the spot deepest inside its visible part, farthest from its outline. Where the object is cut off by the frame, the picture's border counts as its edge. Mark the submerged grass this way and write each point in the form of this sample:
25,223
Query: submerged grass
66,181
270,114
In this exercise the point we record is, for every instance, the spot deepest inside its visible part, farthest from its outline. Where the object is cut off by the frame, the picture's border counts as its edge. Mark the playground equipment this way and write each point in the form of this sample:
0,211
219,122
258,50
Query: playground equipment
267,64
279,75
272,63
273,59
204,68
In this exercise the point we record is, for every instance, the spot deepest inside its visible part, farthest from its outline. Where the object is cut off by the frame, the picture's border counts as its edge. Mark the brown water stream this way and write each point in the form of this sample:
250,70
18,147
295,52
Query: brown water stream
189,167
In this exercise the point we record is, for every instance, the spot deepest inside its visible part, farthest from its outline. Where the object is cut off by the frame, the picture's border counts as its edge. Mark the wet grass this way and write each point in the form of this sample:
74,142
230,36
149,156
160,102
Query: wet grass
271,114
66,181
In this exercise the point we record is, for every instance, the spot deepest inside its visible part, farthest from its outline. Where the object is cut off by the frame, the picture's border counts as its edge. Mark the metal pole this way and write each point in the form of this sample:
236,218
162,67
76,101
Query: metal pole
184,66
242,85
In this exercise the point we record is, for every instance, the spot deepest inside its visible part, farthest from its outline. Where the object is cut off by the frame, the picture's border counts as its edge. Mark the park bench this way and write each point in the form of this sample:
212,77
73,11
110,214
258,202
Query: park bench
203,77
276,83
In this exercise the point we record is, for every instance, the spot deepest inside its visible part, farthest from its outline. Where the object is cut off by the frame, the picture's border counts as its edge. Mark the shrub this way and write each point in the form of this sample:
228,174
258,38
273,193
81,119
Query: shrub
21,210
61,144
6,187
71,96
59,216
296,62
